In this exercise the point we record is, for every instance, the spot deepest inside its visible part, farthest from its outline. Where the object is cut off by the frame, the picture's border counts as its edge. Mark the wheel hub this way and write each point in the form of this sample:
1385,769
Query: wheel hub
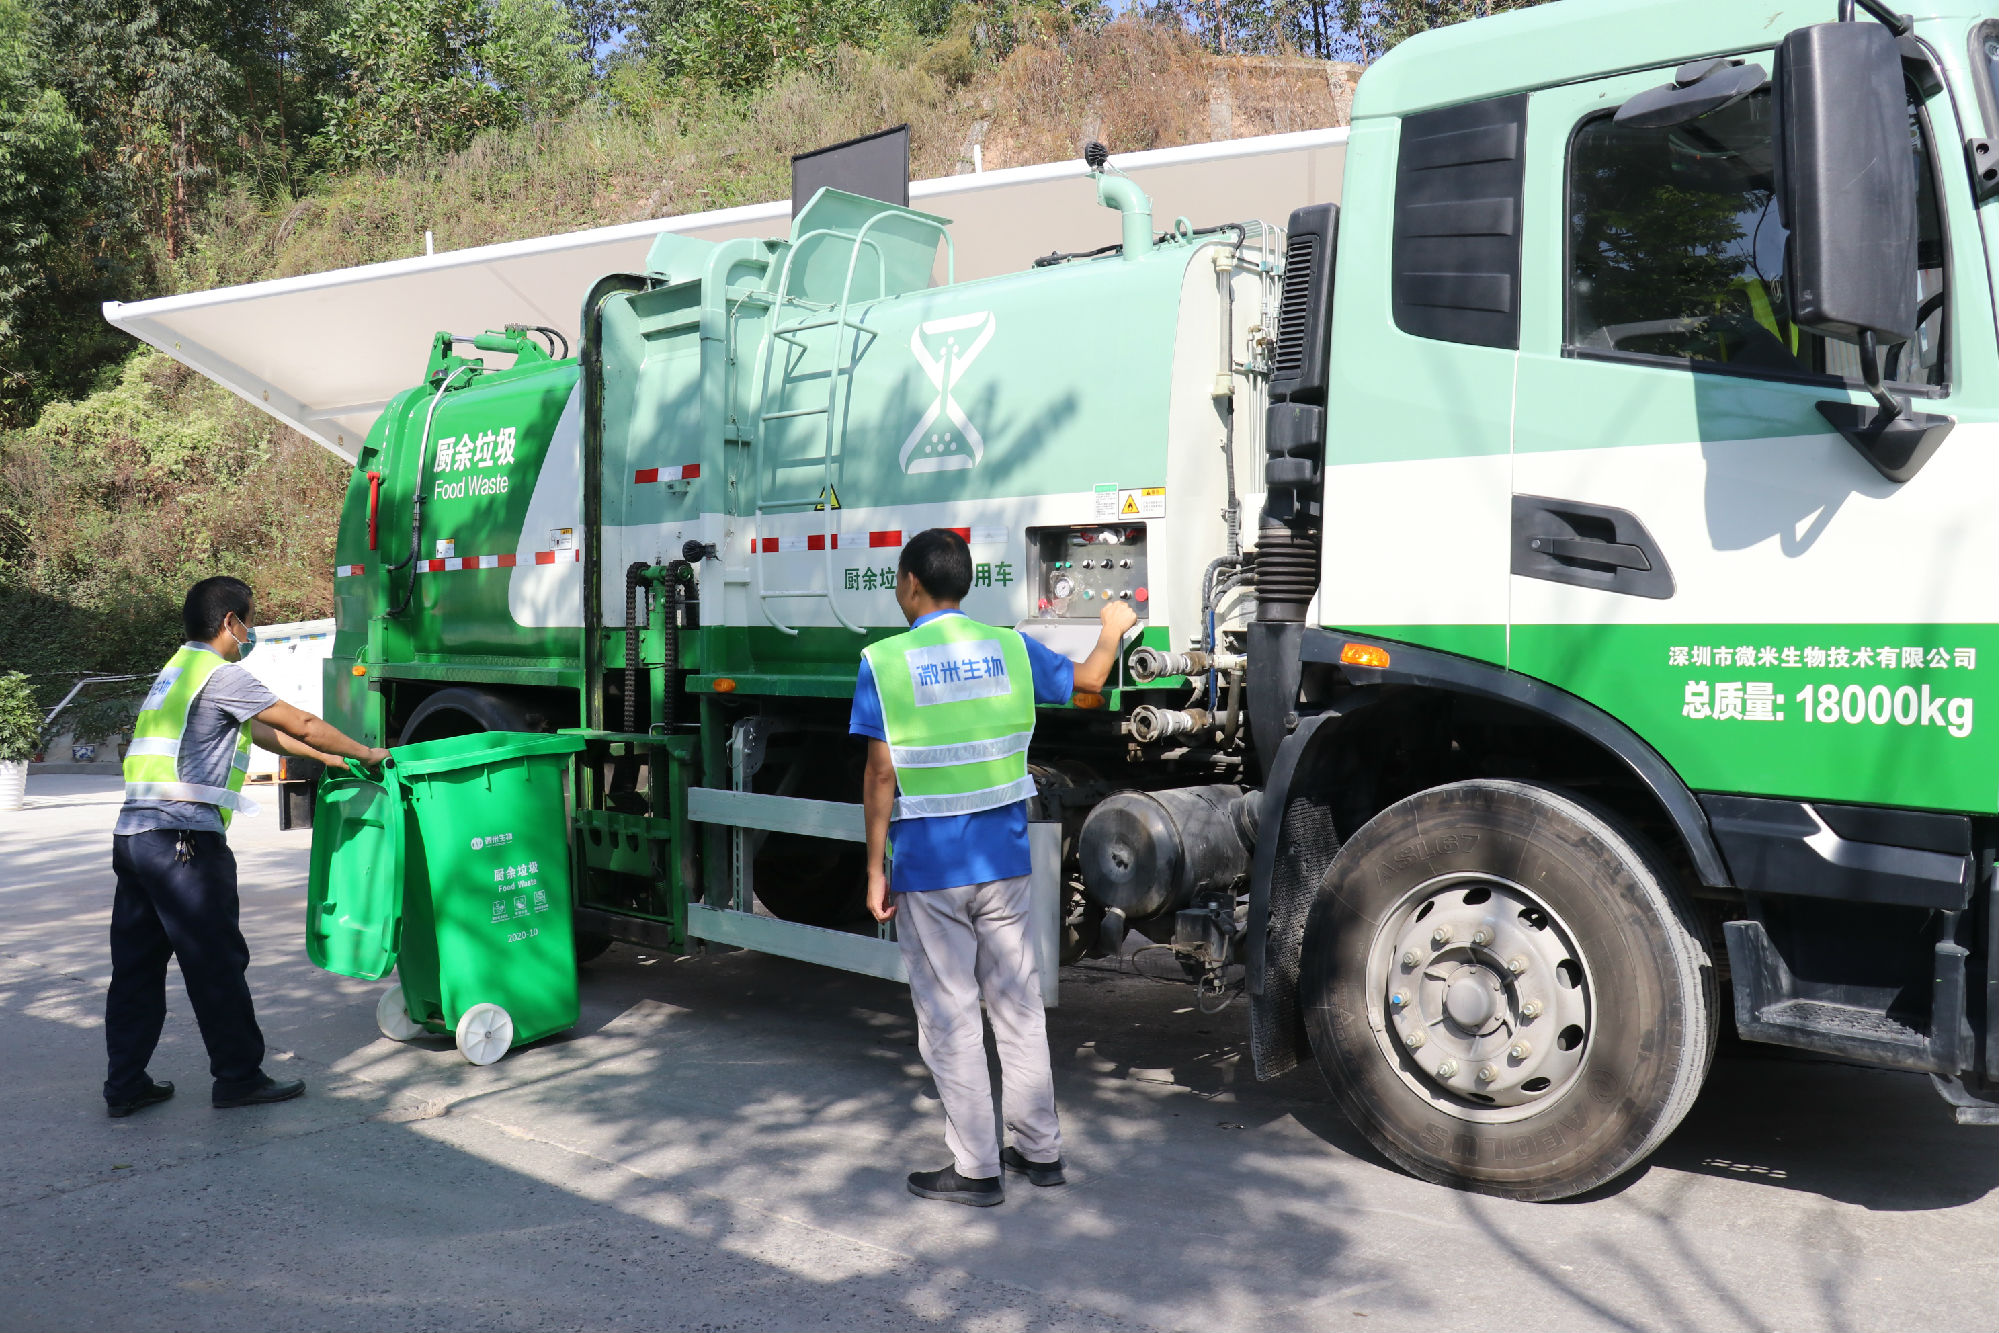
1484,1000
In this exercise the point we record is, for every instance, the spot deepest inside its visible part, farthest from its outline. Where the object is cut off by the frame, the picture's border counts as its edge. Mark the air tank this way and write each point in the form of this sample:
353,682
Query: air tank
1147,853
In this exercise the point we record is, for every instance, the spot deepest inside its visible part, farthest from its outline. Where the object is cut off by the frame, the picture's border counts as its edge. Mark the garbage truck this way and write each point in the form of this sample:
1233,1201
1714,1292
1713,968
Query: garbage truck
1567,573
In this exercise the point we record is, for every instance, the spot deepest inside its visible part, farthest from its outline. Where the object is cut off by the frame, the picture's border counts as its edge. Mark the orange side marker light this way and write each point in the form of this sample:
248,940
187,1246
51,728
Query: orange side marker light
1364,655
725,686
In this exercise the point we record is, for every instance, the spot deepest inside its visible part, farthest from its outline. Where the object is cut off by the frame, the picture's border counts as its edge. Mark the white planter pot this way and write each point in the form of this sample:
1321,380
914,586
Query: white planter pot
13,784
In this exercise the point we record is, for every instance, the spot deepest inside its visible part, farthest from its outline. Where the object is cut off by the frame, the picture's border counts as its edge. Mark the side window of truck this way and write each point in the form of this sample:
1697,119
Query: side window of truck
1676,253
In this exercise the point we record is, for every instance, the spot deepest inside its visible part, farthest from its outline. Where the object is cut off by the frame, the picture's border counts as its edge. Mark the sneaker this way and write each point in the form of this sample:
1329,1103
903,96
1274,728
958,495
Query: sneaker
154,1094
954,1188
1037,1173
258,1094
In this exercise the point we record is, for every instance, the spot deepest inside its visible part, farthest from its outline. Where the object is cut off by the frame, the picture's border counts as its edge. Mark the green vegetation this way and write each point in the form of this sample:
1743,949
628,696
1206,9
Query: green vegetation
153,146
20,719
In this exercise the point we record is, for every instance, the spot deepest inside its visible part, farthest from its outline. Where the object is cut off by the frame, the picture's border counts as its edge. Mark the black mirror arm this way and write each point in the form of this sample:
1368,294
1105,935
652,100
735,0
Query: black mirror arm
1894,438
1896,23
1870,375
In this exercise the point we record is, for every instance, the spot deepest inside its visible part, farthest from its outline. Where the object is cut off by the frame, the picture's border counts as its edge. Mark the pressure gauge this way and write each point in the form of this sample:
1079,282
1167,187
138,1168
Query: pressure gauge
1063,586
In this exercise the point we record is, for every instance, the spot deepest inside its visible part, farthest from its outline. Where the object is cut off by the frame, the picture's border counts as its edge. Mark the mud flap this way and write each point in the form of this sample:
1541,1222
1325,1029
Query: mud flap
1292,854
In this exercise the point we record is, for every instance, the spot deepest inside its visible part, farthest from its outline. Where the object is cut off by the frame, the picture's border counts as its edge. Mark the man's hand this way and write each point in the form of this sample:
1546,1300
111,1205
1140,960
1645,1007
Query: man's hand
309,737
877,804
1094,670
278,742
880,905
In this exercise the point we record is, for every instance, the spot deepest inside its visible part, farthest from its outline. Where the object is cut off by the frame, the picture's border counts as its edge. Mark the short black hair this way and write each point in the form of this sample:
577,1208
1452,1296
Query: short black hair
941,562
209,602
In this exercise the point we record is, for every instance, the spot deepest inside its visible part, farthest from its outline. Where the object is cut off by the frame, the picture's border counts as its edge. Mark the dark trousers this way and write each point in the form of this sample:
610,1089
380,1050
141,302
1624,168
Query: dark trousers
165,908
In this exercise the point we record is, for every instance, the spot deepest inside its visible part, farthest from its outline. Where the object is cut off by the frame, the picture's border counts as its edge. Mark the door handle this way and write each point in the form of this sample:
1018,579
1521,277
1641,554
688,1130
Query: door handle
1595,551
1588,546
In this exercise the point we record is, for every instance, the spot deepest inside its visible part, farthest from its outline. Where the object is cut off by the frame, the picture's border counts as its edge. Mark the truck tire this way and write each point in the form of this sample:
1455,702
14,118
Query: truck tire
1505,991
460,711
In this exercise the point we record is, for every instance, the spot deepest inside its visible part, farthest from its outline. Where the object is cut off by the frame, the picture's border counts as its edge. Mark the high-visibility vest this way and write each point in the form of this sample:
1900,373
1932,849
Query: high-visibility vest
152,761
1764,311
957,701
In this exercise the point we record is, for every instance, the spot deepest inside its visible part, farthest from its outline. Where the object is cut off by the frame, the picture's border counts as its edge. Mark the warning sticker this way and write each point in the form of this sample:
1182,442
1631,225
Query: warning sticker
562,539
446,547
1147,502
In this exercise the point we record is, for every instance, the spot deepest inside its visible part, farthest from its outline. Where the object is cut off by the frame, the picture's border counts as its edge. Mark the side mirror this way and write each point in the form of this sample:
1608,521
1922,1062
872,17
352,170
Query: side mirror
1846,182
1846,190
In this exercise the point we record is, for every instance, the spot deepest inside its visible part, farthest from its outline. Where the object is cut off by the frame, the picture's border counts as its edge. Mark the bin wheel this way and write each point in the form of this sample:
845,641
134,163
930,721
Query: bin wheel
485,1033
393,1018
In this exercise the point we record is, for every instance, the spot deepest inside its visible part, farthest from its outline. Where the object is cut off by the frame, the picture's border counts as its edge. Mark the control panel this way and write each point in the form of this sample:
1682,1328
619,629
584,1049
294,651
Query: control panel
1079,569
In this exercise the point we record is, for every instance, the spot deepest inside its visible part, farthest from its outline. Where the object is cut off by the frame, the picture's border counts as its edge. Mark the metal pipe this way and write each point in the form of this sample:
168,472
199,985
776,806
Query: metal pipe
1234,724
1150,724
1123,194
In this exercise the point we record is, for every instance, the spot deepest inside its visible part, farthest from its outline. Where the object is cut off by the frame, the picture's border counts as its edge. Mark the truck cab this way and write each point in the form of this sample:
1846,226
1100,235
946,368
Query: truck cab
1638,541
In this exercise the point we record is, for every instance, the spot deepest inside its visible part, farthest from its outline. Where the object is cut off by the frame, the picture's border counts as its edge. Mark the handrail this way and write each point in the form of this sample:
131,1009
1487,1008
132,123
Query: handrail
839,371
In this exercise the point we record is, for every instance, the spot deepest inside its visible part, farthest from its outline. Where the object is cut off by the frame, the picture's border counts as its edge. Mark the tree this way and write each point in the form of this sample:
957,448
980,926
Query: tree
1372,28
41,154
537,57
428,75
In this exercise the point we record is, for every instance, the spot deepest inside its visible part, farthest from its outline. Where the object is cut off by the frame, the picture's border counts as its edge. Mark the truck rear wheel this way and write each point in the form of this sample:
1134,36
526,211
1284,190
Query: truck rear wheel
1504,990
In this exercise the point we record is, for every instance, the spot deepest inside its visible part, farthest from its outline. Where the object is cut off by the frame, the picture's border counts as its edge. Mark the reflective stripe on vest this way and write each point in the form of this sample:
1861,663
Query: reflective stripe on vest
957,701
152,760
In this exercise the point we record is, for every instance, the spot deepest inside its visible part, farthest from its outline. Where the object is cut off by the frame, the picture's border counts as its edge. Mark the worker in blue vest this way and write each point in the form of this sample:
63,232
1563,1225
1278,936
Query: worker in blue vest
176,895
948,710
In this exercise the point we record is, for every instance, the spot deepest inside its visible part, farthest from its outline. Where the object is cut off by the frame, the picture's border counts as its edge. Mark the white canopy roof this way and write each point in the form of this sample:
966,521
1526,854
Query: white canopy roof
323,353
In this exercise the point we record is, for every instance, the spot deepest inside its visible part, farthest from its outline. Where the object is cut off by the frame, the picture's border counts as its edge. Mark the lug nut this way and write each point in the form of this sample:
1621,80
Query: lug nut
1516,965
1441,936
1531,1009
1481,937
1398,999
1448,1069
1487,1073
1520,1050
1411,958
1414,1039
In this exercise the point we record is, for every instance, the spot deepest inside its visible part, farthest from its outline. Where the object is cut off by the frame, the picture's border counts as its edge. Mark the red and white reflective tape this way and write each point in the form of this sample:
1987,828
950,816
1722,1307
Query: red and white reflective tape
466,562
684,472
557,557
346,571
839,541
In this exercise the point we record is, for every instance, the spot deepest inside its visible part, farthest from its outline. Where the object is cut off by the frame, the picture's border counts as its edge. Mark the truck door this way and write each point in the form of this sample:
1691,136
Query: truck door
1694,549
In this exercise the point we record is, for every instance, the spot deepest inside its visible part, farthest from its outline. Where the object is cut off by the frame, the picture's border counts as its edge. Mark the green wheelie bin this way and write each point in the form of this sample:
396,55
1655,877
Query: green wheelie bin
452,866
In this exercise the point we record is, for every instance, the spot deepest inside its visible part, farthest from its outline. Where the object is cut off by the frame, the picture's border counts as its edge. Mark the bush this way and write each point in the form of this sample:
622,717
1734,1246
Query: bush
20,719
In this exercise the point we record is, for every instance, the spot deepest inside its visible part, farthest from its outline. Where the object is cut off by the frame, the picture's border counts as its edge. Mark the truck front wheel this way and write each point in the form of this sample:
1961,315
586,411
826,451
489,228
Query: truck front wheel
1505,992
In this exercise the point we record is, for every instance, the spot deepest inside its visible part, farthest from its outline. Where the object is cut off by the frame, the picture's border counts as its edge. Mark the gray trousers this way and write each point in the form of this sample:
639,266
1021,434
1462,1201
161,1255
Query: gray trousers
961,945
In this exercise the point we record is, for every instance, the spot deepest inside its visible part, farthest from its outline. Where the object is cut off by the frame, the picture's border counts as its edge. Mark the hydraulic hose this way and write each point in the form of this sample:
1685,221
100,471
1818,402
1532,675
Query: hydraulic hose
416,491
634,575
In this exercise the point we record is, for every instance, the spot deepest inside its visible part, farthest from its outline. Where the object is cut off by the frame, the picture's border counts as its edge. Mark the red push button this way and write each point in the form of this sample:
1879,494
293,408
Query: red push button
1140,594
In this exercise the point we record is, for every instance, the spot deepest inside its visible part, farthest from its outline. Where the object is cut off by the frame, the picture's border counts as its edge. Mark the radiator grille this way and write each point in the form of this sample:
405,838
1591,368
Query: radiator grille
1301,262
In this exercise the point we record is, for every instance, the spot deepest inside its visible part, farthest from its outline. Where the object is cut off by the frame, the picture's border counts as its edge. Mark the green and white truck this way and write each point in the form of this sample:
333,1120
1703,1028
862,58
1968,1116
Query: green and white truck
1568,572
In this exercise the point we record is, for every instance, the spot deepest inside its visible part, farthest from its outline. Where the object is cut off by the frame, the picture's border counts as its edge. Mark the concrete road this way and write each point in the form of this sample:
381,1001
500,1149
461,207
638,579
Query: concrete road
721,1144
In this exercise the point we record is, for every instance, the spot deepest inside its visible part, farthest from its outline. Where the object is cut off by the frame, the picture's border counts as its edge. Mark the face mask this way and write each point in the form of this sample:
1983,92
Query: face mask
245,646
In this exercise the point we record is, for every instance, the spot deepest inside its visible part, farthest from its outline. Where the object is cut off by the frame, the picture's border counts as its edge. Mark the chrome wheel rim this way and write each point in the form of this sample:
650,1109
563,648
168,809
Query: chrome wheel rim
1479,997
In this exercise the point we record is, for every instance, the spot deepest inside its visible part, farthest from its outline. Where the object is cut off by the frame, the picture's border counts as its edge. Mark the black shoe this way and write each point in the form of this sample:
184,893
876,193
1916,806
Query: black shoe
154,1094
270,1090
1037,1173
954,1188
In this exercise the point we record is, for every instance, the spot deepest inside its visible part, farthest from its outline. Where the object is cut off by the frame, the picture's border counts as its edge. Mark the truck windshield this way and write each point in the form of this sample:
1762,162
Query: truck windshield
1676,250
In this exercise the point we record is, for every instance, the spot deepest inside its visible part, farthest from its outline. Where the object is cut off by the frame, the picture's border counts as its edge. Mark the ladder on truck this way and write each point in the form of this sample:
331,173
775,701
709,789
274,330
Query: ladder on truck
846,349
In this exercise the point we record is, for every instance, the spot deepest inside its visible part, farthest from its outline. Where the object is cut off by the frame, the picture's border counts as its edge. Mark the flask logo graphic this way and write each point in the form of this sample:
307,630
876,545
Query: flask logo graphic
945,439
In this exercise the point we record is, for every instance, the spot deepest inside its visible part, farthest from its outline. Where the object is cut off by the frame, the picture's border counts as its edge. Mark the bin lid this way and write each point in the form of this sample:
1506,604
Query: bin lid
476,750
354,900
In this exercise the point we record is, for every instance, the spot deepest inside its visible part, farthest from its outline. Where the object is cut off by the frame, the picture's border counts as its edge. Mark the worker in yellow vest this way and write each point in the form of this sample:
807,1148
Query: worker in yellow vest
948,710
176,894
